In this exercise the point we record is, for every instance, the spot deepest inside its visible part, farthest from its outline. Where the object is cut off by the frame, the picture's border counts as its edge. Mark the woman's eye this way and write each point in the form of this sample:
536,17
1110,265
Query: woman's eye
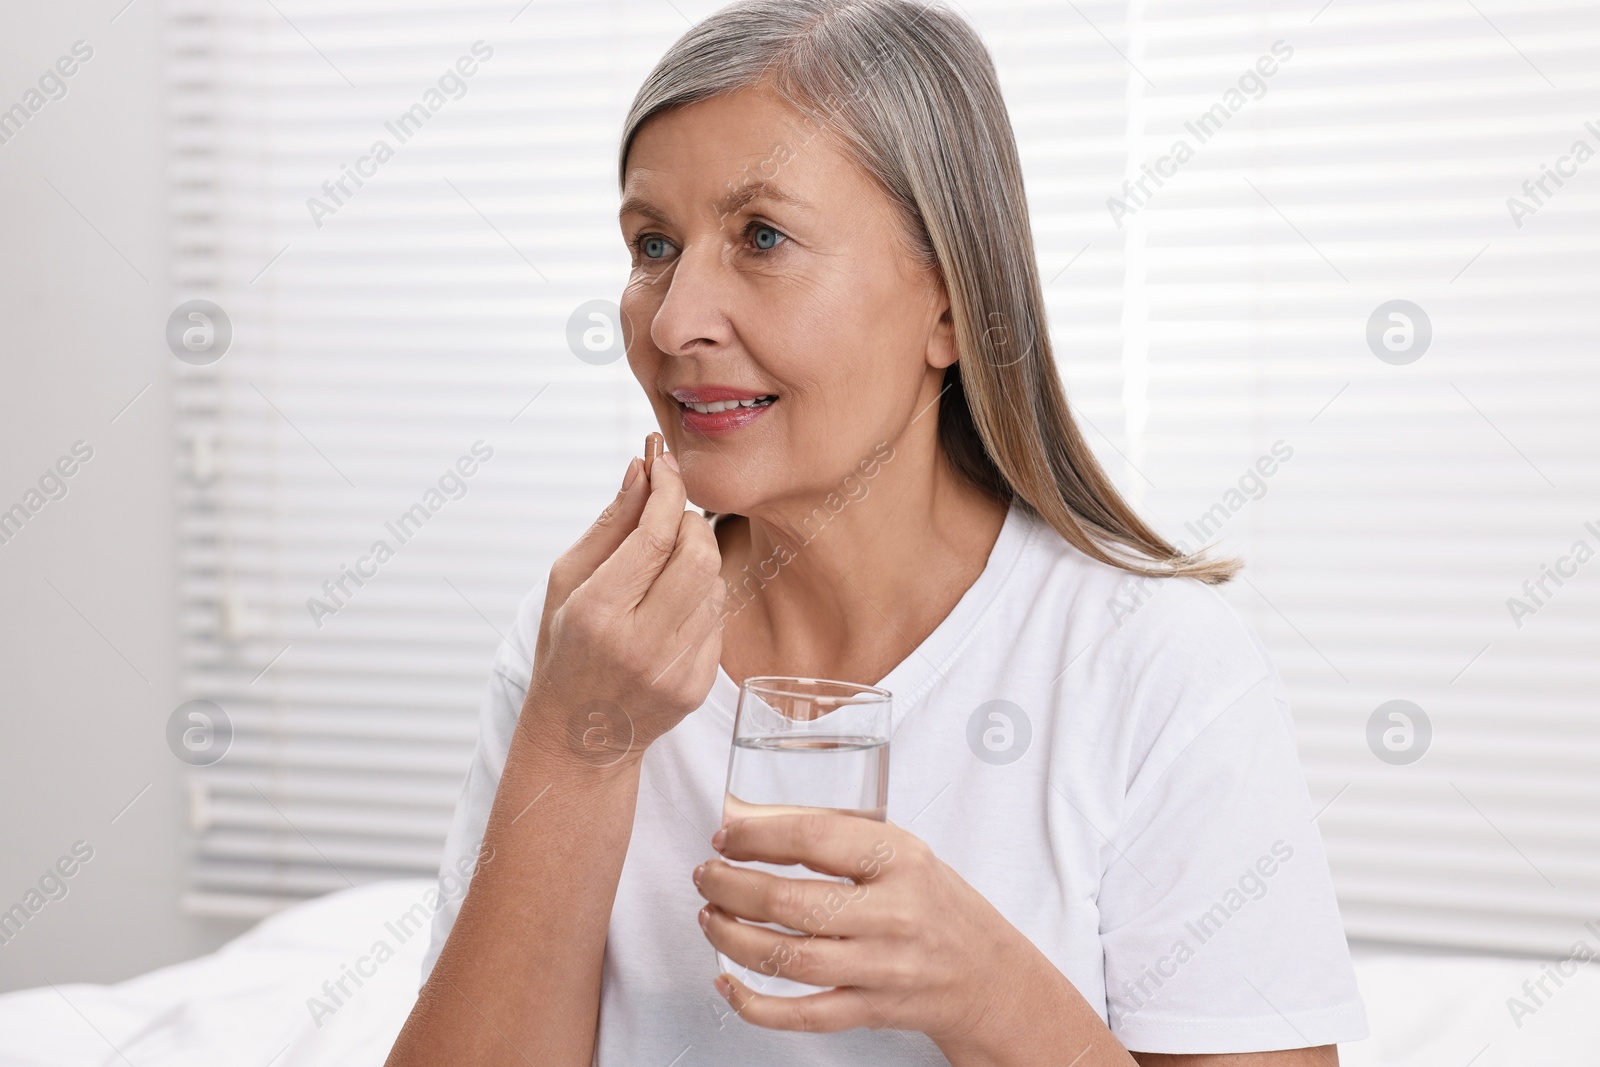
654,247
765,237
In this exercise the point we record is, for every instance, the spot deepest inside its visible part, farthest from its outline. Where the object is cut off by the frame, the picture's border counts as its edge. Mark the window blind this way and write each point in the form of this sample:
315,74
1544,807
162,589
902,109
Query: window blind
1377,163
383,334
1211,326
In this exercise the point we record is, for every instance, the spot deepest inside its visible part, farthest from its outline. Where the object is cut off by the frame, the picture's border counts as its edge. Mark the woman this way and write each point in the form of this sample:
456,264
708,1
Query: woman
1099,840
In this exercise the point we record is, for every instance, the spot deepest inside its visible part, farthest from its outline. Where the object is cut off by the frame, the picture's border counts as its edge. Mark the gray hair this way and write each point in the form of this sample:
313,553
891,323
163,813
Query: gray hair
909,90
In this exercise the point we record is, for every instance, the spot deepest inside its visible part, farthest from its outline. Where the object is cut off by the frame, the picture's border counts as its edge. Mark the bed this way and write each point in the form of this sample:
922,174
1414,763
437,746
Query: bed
308,986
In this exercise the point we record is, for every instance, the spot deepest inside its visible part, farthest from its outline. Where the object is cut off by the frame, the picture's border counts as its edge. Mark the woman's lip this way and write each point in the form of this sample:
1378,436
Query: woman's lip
721,422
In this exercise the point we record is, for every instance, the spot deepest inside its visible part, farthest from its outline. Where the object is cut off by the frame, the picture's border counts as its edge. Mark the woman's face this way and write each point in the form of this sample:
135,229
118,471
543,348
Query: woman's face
767,264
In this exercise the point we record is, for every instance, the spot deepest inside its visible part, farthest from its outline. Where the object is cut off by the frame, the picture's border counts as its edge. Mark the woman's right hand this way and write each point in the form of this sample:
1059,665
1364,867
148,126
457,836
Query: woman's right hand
631,633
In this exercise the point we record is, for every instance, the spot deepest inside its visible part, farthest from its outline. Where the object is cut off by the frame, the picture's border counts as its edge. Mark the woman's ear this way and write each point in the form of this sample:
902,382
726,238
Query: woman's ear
942,348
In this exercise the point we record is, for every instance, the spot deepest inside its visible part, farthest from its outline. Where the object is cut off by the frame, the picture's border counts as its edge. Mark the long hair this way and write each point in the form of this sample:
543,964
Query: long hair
910,92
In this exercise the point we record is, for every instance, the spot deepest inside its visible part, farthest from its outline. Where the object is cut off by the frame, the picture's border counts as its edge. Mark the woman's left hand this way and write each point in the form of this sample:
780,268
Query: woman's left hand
911,945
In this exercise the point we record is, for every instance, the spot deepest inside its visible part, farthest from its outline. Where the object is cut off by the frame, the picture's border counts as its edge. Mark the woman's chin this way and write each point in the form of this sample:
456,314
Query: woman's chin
725,493
712,481
721,502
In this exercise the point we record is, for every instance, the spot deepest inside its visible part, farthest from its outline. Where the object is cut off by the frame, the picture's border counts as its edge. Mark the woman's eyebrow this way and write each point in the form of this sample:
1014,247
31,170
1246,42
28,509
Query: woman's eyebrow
743,197
635,205
735,200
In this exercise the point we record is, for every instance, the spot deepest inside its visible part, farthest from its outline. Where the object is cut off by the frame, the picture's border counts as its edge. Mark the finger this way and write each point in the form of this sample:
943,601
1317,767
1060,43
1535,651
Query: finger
687,653
679,597
820,961
630,571
688,609
824,841
821,1013
603,537
811,906
701,663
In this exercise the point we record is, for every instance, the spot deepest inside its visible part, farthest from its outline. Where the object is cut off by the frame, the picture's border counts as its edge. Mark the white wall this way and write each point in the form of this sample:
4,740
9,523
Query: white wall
87,668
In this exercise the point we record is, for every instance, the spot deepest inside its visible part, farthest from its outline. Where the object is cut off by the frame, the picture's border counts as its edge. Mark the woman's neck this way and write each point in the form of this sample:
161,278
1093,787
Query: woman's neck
847,586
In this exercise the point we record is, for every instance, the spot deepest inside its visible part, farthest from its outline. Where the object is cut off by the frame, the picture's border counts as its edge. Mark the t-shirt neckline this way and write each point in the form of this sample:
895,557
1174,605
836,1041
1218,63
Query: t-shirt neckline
911,678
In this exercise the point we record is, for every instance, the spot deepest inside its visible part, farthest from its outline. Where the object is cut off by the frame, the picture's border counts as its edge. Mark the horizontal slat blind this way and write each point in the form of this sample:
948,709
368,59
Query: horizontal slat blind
426,315
1375,165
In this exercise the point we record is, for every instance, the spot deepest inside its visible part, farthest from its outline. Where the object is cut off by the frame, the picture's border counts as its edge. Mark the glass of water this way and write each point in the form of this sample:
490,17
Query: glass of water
799,745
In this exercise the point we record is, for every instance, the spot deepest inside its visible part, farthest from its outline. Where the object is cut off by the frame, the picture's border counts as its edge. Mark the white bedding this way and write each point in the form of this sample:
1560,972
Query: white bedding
246,1004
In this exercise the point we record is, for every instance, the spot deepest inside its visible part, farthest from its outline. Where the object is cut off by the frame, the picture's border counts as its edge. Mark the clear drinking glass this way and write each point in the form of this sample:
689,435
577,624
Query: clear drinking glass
804,744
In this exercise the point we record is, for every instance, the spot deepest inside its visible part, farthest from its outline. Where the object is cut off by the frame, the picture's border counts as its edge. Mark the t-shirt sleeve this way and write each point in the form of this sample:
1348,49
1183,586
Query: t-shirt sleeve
497,721
1219,926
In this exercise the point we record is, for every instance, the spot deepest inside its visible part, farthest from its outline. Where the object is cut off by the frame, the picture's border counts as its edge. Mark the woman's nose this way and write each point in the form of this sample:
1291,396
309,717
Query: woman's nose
693,313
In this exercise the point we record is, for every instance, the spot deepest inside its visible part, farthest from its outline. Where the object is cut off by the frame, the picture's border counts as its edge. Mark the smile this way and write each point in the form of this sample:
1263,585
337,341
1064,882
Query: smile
704,412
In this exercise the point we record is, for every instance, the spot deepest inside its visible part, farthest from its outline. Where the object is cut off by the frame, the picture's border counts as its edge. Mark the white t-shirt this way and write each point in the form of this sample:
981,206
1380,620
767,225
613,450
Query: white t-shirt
1135,807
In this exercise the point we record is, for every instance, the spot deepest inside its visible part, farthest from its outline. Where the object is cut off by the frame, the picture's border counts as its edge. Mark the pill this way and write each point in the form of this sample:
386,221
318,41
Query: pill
654,443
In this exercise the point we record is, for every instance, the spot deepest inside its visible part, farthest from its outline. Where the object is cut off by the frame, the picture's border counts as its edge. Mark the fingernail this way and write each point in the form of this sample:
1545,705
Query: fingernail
721,985
632,473
705,917
670,460
698,871
719,838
